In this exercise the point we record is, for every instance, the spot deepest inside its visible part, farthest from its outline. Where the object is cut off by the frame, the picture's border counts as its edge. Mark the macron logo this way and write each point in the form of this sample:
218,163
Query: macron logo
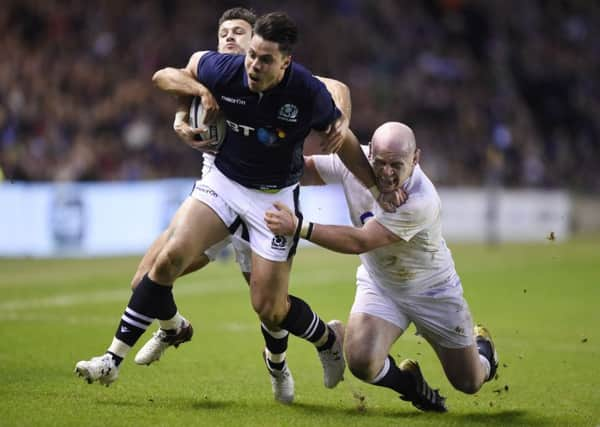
125,330
237,101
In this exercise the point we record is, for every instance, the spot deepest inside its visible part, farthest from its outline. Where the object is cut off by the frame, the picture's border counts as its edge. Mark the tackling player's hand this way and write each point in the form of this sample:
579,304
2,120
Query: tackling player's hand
191,136
390,201
281,220
211,108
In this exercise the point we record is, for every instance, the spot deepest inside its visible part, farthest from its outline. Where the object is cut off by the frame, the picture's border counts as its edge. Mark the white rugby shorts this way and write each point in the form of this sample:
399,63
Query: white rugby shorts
241,249
440,314
234,203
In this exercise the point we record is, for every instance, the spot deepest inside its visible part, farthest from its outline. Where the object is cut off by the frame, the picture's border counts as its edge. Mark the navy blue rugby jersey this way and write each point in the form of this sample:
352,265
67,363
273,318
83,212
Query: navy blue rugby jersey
265,131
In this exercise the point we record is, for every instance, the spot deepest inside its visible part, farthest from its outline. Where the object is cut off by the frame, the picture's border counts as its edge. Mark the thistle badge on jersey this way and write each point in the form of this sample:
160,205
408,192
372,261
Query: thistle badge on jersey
289,113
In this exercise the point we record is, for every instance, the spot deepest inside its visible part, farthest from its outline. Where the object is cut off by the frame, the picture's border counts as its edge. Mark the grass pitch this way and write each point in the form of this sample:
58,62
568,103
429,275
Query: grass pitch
541,302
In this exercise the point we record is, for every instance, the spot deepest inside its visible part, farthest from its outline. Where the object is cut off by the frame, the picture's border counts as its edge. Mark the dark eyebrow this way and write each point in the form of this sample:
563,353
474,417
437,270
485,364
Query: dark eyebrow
265,56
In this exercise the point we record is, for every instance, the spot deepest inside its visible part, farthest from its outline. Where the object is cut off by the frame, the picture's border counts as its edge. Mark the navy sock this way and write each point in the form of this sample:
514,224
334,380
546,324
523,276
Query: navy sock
275,366
397,380
302,321
275,345
148,302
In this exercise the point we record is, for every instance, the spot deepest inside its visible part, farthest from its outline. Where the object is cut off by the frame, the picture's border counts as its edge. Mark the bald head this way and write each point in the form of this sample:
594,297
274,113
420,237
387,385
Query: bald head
394,137
394,155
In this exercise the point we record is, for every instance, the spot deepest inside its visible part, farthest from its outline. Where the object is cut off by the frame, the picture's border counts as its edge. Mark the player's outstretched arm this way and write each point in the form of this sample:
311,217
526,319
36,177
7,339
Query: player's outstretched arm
340,94
185,85
355,160
338,238
181,81
319,142
178,81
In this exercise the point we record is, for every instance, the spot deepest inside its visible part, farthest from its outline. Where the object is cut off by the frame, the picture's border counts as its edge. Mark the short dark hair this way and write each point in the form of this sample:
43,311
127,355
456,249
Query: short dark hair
279,28
242,13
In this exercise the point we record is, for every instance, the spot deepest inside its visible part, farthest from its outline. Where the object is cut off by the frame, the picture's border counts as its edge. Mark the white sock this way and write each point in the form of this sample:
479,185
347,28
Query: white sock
275,358
174,322
485,363
279,334
383,372
321,341
119,348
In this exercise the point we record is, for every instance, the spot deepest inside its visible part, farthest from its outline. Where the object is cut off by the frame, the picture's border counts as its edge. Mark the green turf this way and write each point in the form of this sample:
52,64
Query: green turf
542,303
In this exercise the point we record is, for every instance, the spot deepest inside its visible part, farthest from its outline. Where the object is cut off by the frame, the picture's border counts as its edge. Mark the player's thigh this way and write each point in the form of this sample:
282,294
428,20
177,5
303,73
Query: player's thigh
219,193
442,315
196,229
372,299
444,320
375,321
234,203
269,285
263,242
197,263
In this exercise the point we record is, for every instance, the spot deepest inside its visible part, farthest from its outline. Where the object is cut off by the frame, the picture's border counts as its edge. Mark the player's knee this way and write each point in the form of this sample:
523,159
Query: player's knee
362,364
169,264
465,384
269,312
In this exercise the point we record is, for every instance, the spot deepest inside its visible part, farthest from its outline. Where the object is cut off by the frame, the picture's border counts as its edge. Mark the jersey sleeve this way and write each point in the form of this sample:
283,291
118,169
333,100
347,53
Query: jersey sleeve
211,67
324,110
410,218
330,168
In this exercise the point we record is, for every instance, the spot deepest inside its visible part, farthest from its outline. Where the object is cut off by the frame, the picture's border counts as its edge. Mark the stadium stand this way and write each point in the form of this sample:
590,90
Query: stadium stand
492,94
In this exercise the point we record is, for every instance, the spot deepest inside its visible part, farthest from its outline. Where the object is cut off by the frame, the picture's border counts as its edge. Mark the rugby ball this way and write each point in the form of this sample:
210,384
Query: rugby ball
215,131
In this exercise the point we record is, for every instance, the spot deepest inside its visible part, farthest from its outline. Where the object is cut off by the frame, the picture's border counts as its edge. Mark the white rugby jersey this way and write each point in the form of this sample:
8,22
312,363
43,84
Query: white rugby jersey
420,259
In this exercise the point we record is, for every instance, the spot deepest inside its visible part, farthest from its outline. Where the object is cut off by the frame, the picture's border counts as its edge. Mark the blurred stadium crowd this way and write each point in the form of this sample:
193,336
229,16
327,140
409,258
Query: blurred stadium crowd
496,90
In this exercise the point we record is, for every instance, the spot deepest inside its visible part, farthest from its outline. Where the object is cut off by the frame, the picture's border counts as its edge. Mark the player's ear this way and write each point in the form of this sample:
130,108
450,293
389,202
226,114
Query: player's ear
417,156
286,62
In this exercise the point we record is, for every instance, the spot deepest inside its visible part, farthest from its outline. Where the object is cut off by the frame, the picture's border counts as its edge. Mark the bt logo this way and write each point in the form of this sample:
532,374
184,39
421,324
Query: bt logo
245,130
267,136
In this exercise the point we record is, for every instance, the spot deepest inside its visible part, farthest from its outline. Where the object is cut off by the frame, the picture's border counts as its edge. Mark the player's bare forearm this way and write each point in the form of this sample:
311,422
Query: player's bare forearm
348,240
183,103
355,160
178,82
340,238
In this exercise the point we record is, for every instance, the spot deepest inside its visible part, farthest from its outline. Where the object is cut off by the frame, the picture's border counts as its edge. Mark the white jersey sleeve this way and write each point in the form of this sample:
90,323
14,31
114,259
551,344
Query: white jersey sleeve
417,214
330,168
